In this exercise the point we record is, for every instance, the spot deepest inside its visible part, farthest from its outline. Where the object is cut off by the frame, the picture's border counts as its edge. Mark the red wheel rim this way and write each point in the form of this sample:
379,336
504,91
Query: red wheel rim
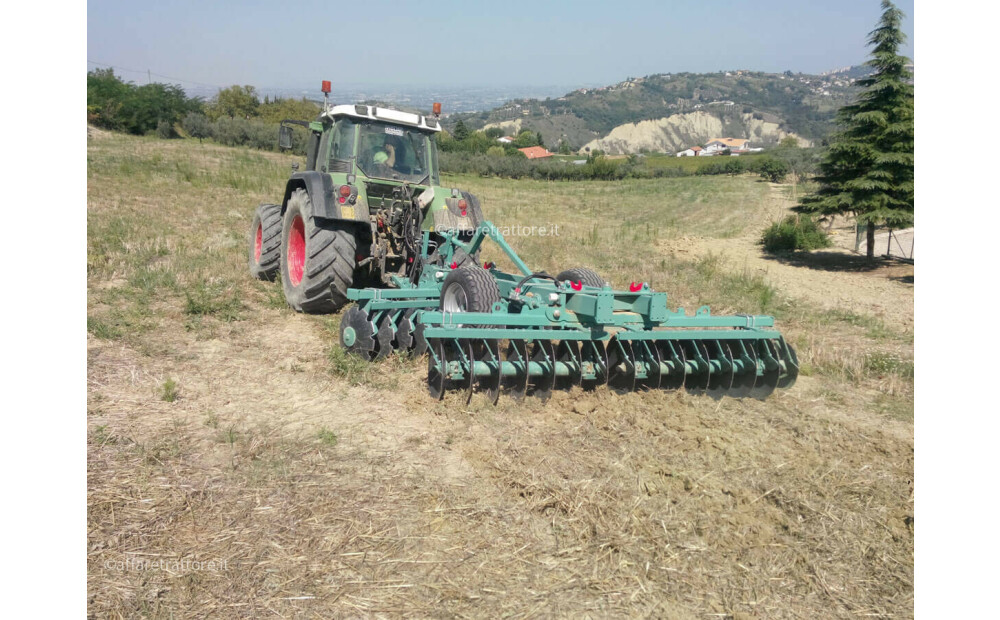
257,243
296,250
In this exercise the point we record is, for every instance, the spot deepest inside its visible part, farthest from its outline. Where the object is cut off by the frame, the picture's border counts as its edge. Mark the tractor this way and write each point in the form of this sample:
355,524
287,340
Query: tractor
368,221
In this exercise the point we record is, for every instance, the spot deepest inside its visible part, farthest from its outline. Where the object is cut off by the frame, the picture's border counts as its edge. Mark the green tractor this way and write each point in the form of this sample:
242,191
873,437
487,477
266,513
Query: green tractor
368,221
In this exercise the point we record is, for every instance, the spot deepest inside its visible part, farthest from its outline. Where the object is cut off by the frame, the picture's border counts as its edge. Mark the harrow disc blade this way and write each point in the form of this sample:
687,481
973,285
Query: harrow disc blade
719,384
697,382
768,378
517,383
672,354
648,354
420,345
357,333
463,349
787,379
744,381
488,352
568,353
404,333
436,369
595,361
621,365
384,336
543,353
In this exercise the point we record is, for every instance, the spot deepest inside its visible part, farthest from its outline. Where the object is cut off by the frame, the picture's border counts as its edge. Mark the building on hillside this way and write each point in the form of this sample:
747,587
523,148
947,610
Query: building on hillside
717,145
505,140
535,152
694,151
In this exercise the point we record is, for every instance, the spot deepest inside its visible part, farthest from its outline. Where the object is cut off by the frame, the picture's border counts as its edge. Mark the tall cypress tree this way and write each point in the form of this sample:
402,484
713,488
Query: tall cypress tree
868,170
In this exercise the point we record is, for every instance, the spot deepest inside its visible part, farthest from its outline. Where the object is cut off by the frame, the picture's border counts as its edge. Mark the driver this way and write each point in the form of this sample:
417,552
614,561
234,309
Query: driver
386,156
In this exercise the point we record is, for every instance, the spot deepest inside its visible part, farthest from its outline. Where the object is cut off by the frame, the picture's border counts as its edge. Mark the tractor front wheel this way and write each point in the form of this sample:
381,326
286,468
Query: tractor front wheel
265,242
317,258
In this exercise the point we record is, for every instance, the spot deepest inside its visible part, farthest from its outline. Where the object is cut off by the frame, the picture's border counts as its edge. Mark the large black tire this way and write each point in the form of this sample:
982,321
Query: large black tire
469,289
317,258
265,242
588,277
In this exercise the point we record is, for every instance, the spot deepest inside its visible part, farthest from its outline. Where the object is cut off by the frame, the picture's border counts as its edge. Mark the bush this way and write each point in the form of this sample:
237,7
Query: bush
164,130
795,232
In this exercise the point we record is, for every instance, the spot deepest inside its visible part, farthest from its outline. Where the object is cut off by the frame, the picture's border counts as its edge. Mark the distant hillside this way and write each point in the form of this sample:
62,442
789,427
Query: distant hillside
667,112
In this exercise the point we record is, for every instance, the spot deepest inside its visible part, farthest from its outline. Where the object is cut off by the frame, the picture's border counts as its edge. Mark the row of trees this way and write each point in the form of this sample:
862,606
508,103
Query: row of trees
124,106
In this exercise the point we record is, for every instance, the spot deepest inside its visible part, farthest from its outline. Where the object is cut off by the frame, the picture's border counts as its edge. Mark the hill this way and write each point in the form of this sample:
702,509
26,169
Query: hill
667,112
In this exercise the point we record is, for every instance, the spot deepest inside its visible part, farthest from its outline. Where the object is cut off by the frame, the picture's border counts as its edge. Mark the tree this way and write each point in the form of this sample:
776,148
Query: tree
789,142
868,169
197,126
461,131
235,102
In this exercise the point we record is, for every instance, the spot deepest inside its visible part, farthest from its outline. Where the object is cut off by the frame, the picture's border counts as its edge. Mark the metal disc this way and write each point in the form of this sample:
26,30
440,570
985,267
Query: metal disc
787,379
768,379
404,332
419,341
646,351
568,353
357,334
435,369
461,350
672,353
594,354
743,381
697,382
488,352
544,354
722,382
517,383
384,336
621,365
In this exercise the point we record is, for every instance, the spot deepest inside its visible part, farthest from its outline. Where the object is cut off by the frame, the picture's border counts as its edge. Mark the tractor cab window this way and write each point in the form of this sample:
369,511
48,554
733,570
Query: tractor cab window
342,146
394,152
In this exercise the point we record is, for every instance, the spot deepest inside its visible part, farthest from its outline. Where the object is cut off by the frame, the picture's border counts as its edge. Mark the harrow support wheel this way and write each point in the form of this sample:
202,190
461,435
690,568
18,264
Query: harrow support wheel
583,275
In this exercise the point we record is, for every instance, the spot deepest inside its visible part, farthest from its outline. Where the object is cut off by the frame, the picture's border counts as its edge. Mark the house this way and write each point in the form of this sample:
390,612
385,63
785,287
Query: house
505,140
694,151
535,152
717,145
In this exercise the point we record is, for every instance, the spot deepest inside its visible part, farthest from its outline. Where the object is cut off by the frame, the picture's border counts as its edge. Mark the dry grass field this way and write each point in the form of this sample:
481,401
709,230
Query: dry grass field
224,427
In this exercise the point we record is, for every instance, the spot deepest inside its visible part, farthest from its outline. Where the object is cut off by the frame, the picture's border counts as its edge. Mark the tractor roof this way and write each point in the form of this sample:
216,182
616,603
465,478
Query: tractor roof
385,115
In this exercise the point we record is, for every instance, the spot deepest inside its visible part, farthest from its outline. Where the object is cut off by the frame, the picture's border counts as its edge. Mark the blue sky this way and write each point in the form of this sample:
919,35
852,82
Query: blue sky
443,42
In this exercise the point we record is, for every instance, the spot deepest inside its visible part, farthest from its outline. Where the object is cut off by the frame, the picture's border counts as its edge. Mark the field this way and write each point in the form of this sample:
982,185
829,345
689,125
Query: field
224,427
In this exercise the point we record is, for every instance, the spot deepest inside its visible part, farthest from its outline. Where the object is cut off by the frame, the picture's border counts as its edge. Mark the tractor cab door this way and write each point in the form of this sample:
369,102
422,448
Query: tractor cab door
336,151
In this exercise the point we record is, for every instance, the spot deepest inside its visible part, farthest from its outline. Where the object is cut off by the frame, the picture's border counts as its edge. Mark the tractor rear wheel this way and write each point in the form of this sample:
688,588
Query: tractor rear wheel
317,258
588,277
265,242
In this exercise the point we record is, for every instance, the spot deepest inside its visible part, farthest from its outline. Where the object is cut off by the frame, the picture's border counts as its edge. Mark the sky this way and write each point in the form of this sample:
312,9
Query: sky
454,43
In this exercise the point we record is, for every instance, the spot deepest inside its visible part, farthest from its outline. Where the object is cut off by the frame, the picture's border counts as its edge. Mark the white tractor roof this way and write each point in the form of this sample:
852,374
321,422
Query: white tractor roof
384,114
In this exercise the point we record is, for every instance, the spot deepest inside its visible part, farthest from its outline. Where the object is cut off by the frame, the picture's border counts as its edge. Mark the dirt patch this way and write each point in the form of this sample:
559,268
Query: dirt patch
834,279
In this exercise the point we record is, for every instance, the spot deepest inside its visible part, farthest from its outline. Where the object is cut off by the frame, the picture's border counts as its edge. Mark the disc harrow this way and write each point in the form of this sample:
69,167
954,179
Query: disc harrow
541,334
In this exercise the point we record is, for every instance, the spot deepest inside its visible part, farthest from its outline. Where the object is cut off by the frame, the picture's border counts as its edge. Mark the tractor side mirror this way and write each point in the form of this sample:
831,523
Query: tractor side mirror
285,137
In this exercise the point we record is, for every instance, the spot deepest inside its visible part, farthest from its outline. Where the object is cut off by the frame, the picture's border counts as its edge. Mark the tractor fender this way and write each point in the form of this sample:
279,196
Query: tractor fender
320,188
